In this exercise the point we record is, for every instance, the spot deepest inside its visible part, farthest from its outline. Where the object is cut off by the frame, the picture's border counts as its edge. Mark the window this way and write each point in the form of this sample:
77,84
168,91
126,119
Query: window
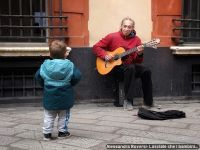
31,21
19,82
188,27
196,78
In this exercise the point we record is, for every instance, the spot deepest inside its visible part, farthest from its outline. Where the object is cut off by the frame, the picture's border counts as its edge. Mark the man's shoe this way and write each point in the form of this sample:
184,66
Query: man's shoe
116,104
127,105
63,135
47,137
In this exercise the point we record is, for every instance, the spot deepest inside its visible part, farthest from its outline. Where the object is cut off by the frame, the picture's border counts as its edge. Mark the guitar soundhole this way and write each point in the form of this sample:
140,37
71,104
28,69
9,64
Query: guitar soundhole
116,57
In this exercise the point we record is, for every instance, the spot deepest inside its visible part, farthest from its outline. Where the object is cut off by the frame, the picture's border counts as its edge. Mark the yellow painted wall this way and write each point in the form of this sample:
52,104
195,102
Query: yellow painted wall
105,16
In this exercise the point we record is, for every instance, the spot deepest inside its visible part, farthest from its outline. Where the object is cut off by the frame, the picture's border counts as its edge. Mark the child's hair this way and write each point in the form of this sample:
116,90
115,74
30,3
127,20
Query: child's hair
57,49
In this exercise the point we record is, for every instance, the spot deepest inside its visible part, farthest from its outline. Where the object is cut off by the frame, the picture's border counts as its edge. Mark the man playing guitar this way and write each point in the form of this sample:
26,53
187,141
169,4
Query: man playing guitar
131,67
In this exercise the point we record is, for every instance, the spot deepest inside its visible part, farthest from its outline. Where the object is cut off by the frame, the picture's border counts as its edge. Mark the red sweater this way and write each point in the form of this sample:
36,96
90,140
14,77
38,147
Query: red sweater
115,40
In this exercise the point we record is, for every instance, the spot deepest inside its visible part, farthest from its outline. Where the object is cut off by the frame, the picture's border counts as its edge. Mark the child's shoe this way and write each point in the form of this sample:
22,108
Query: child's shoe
62,135
47,137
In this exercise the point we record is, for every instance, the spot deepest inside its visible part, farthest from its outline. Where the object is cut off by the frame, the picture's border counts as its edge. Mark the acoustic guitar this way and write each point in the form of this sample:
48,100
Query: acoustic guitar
104,67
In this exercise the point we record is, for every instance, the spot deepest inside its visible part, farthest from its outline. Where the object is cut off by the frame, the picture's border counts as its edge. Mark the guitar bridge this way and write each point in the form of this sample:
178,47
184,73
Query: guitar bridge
106,64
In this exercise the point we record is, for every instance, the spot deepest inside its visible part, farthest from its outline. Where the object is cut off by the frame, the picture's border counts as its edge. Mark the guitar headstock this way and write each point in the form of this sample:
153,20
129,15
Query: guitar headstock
153,43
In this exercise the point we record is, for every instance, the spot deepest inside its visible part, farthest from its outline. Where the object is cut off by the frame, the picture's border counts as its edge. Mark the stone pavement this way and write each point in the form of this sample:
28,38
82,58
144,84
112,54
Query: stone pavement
93,126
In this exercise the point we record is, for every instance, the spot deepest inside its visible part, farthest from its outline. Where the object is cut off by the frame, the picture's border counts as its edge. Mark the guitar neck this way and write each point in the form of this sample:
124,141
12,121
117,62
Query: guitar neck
153,43
127,52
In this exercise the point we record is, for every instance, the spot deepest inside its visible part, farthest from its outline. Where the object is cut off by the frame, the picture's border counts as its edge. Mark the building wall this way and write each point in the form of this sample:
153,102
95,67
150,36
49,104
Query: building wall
171,74
105,16
171,77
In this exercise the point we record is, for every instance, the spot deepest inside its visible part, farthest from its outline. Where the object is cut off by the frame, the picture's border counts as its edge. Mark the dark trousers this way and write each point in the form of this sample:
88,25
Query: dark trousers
129,74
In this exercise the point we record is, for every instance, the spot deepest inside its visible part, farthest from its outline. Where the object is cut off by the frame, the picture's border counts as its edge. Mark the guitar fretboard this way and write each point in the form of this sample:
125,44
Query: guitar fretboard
153,43
127,52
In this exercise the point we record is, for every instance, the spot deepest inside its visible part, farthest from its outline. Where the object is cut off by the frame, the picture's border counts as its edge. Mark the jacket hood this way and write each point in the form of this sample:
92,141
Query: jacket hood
57,71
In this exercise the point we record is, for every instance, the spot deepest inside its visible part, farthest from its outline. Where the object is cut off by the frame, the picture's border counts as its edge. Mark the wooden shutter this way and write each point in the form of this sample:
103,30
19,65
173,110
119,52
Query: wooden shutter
163,11
77,21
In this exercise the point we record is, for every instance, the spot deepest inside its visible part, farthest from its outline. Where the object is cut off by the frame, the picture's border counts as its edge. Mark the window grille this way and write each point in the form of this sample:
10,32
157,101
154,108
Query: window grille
188,27
31,21
19,82
196,78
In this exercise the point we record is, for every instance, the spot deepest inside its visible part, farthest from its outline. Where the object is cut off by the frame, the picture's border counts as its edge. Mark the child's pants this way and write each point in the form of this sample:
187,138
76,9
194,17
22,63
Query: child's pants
49,117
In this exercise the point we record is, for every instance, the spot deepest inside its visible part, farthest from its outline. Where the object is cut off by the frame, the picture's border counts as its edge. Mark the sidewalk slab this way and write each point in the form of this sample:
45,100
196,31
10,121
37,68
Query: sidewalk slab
93,126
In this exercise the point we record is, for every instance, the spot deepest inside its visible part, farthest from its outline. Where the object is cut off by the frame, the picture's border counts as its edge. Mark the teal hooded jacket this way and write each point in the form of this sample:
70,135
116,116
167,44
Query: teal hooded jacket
57,77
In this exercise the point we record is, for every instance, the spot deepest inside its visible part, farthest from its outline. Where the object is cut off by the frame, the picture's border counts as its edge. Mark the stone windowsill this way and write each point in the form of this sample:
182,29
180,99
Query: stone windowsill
23,49
185,50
